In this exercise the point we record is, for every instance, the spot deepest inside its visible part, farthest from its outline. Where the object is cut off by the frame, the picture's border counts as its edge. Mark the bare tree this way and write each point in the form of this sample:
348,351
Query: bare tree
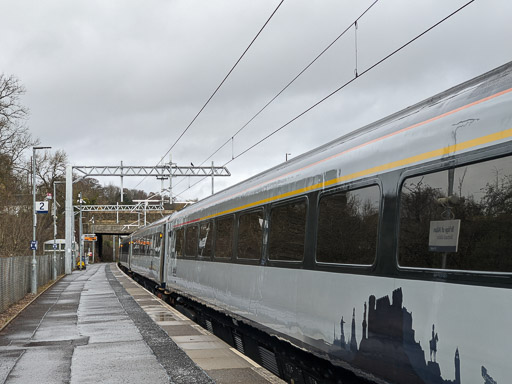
14,135
15,205
51,167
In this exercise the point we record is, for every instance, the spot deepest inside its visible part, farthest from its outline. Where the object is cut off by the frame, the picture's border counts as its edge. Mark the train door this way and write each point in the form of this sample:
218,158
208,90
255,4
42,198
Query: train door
161,256
171,251
130,250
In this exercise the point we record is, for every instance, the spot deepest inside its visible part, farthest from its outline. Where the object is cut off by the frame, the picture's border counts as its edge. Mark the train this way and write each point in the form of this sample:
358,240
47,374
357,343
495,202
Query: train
384,256
60,248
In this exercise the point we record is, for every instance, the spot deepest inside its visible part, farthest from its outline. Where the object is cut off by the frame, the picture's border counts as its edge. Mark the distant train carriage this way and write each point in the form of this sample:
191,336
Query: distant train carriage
382,256
60,247
124,252
146,251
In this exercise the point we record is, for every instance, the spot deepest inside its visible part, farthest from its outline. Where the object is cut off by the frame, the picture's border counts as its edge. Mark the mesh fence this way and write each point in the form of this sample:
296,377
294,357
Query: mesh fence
15,275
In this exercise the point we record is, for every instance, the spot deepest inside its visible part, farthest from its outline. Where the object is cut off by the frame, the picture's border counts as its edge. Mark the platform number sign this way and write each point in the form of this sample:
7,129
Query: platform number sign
42,206
33,245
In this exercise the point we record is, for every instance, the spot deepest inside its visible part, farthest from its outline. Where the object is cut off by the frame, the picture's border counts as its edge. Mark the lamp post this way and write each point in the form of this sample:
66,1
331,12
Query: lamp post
81,240
34,260
93,242
54,272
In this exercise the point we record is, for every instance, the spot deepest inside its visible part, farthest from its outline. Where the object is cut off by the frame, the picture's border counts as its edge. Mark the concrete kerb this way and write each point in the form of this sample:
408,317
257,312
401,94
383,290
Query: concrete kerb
164,303
179,366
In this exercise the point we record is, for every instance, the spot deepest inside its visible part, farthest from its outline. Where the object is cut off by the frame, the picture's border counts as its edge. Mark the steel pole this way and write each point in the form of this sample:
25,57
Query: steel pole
33,286
170,179
114,248
122,182
93,243
70,220
81,247
54,270
212,178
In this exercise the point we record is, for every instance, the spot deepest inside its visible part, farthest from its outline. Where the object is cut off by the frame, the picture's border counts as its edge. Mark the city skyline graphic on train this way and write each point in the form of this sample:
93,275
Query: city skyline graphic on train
388,347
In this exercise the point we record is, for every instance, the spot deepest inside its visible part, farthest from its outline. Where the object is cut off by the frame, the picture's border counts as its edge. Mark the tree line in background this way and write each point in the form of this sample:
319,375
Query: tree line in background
16,142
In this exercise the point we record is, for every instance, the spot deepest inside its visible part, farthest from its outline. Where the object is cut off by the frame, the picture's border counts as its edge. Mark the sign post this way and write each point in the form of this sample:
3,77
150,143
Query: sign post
90,237
33,281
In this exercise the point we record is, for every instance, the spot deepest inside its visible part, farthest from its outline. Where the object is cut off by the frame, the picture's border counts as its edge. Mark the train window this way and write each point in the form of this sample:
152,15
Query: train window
158,243
347,226
459,218
180,239
250,235
224,238
205,238
155,244
147,245
287,231
142,247
191,241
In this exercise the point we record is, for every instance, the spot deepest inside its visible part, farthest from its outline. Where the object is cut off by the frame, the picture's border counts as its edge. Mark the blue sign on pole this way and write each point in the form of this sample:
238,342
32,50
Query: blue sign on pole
33,245
55,246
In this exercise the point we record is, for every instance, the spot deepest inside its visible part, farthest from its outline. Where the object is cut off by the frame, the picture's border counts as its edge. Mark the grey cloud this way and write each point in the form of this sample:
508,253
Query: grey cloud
120,80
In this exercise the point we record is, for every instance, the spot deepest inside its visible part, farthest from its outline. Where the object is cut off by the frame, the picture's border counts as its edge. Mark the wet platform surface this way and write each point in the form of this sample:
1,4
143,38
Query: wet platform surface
100,326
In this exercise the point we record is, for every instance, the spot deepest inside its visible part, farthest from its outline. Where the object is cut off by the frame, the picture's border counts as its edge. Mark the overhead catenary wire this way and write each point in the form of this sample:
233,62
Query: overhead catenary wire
218,87
232,138
355,36
340,88
354,23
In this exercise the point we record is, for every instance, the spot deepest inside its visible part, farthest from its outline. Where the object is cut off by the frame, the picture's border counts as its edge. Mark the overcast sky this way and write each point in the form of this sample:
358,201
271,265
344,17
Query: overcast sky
111,81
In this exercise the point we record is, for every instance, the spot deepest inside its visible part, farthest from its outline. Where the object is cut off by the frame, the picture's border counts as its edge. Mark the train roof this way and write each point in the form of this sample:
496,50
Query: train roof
459,114
57,241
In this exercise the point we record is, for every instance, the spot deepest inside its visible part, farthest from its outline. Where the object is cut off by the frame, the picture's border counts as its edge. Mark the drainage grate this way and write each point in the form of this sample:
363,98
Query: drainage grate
268,360
209,326
239,344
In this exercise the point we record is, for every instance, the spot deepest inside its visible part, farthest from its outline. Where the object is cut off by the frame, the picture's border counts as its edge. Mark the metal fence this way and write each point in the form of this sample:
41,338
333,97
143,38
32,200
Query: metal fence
15,276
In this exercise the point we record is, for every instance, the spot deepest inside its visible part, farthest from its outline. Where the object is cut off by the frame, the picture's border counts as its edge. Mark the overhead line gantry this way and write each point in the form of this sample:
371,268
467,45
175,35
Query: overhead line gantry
162,172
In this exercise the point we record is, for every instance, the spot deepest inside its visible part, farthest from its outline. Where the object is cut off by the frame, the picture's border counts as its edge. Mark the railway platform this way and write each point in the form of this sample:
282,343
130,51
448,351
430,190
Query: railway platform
98,325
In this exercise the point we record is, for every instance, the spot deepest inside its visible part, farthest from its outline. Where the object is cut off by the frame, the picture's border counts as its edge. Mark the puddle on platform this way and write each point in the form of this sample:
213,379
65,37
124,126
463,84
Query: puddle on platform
162,316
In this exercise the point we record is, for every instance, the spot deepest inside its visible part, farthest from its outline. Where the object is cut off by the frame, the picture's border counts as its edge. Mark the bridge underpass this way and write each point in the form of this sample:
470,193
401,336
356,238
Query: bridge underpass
110,223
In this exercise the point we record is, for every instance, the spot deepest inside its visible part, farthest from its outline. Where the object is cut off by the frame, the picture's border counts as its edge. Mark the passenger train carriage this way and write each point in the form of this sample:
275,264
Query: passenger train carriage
382,256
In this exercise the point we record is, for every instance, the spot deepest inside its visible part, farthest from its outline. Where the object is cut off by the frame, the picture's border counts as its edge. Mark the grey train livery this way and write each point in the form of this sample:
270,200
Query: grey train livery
384,256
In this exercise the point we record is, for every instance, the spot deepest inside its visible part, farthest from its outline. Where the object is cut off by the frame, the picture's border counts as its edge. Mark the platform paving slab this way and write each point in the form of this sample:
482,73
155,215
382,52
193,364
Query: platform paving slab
87,329
98,325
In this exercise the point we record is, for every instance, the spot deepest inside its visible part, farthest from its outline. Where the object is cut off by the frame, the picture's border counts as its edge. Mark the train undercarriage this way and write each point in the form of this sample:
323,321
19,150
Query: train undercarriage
284,359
